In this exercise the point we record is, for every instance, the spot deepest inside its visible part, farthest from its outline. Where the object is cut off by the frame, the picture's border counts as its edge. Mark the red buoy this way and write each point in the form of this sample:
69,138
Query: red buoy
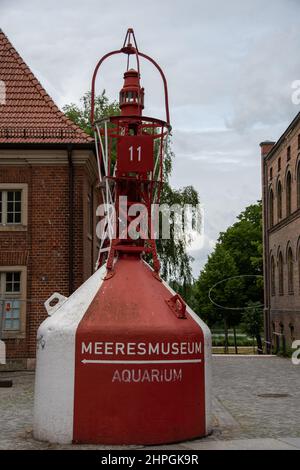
124,360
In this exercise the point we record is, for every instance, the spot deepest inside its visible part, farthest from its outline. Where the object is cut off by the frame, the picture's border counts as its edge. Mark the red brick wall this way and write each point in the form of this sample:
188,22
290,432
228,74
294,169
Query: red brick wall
11,242
90,252
284,309
48,269
47,240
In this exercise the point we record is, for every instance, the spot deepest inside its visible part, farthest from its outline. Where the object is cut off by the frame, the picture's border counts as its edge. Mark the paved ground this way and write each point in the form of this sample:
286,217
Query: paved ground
256,405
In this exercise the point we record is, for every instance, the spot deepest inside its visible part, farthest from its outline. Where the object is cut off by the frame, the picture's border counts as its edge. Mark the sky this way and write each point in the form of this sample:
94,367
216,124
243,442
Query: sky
229,65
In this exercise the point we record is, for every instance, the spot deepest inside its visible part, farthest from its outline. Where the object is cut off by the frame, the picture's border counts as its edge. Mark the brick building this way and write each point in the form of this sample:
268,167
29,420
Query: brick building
48,174
281,213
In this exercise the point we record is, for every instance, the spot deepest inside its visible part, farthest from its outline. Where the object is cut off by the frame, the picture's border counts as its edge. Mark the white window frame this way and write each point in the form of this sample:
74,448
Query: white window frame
7,334
23,187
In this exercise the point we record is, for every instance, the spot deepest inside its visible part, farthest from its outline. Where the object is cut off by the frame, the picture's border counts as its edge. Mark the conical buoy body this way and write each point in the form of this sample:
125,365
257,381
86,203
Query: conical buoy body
116,364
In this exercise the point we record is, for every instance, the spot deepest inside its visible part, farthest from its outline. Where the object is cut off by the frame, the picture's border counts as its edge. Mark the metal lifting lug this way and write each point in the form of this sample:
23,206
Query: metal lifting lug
157,276
109,274
129,49
178,306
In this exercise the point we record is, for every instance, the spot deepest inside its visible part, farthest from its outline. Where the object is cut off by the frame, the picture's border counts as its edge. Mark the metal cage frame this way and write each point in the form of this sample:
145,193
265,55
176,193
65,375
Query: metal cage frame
108,132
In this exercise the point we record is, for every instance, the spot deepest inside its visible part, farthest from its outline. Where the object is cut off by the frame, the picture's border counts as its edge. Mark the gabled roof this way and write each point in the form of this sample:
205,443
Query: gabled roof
29,115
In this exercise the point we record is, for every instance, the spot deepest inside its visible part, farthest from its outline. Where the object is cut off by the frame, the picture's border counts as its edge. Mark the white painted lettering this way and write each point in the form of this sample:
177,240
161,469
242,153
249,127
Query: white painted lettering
86,349
147,375
116,376
131,348
126,375
120,348
98,348
108,348
153,349
141,349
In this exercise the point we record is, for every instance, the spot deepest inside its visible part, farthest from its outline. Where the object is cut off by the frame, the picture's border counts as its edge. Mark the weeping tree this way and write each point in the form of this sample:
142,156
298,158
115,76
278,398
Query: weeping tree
176,263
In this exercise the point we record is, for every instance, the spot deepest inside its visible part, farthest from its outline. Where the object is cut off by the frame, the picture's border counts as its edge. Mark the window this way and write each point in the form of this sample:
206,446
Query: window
131,97
298,185
271,173
279,200
282,337
272,276
11,289
90,215
10,207
275,339
280,274
298,141
279,164
11,315
290,266
288,153
292,330
128,97
271,208
299,269
13,206
12,305
13,281
288,194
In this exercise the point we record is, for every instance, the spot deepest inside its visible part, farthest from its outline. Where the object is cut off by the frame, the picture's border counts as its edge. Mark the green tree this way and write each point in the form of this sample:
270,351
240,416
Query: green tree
252,323
244,241
218,290
81,114
237,257
176,263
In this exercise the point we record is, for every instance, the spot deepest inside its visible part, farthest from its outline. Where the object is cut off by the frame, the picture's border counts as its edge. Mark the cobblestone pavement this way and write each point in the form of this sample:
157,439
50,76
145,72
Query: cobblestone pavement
256,405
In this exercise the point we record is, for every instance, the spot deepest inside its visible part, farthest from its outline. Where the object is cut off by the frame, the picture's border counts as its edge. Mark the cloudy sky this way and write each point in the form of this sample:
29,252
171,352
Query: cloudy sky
230,66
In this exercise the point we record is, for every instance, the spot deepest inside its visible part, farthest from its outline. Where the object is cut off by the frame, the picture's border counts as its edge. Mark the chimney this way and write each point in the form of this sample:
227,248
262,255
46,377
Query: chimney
266,146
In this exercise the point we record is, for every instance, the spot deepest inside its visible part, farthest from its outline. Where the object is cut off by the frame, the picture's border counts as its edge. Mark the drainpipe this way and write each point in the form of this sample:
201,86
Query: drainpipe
71,221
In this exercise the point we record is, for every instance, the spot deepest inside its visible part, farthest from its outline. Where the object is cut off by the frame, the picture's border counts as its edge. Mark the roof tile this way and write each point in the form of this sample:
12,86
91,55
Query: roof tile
29,114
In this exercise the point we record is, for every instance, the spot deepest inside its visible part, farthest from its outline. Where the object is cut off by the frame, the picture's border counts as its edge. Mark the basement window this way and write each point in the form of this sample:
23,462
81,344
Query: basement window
11,315
12,304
